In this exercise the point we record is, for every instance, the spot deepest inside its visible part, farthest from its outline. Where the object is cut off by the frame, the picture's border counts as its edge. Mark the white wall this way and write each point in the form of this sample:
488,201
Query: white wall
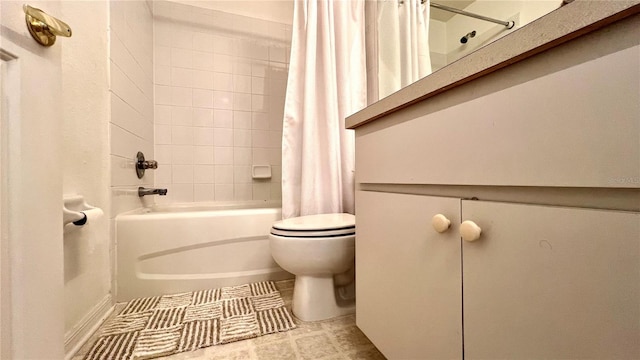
220,83
131,101
280,11
86,157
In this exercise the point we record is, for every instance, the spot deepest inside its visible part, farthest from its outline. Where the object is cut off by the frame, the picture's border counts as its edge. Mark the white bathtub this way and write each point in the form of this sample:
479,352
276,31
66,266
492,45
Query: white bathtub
187,247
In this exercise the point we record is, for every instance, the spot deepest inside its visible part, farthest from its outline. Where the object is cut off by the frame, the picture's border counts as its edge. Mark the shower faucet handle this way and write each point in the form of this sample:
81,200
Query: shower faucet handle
148,164
142,164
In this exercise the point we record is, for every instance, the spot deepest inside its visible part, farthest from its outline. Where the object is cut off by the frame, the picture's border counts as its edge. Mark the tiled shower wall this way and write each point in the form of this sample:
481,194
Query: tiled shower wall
220,82
131,95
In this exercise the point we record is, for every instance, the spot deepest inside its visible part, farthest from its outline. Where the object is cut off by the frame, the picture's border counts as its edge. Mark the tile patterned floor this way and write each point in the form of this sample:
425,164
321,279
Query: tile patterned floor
334,339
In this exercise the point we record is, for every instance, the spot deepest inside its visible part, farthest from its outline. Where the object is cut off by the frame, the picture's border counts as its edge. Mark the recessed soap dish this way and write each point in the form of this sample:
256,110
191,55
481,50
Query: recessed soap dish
261,172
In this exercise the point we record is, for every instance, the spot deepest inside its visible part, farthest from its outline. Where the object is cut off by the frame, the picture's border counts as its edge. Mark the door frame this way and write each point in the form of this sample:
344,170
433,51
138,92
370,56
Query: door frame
6,78
31,246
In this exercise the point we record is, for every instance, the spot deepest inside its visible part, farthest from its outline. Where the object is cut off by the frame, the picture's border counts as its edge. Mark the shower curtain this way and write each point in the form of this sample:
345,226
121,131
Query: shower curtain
327,82
403,44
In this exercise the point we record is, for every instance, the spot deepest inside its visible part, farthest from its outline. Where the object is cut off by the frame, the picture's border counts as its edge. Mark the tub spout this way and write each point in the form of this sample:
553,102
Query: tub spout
148,191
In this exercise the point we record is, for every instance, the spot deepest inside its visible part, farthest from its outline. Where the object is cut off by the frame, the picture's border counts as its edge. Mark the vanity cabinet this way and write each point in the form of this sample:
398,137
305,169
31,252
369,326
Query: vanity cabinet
544,157
409,289
541,282
549,282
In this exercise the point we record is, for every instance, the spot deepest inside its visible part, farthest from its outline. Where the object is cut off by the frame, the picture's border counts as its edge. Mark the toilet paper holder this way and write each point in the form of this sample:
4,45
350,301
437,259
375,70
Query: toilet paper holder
74,210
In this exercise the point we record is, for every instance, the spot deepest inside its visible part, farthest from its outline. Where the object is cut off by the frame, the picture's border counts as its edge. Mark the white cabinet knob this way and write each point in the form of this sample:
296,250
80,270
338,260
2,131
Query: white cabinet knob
440,223
470,231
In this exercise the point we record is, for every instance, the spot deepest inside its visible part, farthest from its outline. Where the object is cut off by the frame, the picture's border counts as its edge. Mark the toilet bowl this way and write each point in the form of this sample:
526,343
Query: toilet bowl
320,251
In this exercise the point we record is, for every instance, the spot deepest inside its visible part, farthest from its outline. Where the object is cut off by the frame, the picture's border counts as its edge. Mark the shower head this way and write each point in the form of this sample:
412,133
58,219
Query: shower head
465,38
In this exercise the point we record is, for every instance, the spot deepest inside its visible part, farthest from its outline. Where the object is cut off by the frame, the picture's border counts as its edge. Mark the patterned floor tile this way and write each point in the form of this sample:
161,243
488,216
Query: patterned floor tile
285,284
339,322
278,350
244,354
306,327
336,357
280,336
368,354
315,347
350,338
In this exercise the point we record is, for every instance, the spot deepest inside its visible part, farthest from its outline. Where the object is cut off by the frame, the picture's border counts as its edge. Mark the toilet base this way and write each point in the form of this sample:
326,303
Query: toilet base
316,298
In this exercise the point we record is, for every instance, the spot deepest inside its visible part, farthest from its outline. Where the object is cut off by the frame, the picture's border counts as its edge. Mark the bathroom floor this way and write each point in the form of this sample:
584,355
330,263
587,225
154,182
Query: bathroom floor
334,339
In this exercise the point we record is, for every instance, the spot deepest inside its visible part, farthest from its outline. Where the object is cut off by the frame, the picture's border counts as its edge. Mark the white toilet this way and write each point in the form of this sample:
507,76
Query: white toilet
320,251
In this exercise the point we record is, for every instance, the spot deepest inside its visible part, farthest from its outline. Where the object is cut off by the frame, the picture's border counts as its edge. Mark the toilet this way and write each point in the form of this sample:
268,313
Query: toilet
320,251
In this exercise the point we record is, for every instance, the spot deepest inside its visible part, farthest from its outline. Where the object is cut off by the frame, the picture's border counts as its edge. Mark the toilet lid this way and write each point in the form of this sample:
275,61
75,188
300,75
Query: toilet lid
323,225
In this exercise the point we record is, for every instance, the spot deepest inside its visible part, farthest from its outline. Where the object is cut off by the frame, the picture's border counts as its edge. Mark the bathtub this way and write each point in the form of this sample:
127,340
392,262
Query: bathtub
186,247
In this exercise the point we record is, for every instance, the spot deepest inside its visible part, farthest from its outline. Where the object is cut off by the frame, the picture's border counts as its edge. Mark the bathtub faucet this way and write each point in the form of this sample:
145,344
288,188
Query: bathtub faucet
142,191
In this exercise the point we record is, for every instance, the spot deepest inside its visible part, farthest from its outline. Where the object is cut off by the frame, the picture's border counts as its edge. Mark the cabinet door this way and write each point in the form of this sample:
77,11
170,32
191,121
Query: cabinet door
551,283
408,285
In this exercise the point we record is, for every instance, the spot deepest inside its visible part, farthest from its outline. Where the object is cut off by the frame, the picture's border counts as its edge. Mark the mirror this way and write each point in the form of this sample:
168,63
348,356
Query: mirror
414,38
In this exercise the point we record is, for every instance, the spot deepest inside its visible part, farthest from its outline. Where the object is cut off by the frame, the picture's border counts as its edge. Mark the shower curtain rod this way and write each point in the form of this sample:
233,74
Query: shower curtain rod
508,24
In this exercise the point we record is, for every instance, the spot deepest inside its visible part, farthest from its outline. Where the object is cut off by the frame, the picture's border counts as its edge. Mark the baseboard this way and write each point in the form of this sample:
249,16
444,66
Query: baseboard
76,337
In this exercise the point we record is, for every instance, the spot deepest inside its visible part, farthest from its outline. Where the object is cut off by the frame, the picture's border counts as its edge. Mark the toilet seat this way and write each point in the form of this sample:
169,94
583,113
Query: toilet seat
316,226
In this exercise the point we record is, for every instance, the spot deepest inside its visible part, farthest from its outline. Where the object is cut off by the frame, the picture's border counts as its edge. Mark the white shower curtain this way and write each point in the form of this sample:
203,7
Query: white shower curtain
327,82
403,44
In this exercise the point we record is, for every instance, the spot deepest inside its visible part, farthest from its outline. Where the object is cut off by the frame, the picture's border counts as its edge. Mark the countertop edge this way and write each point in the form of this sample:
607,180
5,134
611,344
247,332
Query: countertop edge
564,24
